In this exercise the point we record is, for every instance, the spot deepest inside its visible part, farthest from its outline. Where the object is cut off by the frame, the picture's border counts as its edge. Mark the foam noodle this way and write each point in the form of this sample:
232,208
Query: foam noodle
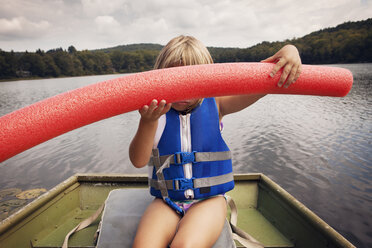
39,122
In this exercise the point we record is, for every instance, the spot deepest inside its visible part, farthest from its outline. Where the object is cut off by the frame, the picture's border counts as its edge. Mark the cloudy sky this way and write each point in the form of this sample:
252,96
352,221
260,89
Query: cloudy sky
90,24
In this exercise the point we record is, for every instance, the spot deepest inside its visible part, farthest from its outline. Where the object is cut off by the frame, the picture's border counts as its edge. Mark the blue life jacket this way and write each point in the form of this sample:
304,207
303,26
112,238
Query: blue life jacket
210,157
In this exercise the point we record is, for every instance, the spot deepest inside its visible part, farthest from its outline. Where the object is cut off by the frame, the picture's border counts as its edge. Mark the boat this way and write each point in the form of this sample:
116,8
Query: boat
266,211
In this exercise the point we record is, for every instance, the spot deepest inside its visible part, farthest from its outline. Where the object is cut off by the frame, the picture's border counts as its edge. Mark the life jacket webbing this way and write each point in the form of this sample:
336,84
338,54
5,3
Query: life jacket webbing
159,172
163,162
184,157
177,184
161,181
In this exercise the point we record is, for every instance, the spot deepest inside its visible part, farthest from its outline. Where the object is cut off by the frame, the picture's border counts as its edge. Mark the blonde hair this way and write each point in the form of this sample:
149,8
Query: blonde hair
183,50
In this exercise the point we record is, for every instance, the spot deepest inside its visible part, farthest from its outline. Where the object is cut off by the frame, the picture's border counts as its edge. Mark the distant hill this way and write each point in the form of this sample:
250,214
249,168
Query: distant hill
349,42
132,47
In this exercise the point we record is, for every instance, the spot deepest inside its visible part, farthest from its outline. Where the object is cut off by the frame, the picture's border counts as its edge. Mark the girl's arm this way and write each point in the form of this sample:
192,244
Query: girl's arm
141,146
231,104
287,58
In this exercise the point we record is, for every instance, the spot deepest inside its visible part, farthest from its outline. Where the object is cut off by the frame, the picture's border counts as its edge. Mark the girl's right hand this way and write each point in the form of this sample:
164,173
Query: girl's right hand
153,112
289,59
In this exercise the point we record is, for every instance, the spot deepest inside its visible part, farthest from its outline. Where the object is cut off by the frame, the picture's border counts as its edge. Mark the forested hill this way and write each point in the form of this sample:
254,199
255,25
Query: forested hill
132,48
350,42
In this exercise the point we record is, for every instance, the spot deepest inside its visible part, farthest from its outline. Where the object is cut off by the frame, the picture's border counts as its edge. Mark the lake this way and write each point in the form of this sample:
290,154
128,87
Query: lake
317,148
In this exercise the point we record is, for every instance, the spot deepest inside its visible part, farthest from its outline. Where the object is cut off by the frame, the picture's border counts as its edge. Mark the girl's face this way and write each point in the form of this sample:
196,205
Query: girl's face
185,104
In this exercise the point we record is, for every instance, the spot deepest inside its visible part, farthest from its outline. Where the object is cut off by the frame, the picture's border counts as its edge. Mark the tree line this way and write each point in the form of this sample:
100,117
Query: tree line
350,42
70,62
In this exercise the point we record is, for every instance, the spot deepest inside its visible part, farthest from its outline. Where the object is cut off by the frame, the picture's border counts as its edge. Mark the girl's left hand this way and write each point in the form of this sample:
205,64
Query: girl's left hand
153,111
289,59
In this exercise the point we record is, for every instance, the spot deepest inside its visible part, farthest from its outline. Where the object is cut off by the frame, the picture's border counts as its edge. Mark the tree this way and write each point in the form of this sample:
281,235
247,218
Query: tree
117,60
86,61
71,50
64,62
33,63
51,69
8,64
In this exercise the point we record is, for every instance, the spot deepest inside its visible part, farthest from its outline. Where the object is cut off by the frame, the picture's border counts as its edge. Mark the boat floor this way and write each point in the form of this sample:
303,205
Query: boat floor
250,219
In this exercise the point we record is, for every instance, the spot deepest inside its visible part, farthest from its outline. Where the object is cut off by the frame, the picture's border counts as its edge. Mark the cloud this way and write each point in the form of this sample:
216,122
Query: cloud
233,23
91,24
20,27
102,7
106,24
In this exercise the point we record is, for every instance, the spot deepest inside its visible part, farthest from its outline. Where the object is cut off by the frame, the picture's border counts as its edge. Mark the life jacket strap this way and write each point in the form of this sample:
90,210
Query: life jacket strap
175,207
180,158
162,186
193,183
159,172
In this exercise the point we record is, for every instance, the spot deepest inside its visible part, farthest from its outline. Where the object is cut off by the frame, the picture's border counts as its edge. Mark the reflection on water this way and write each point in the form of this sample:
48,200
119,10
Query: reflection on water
317,148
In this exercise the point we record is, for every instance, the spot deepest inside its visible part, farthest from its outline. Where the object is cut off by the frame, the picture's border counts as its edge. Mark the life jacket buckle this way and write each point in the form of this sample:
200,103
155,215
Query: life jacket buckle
183,184
182,158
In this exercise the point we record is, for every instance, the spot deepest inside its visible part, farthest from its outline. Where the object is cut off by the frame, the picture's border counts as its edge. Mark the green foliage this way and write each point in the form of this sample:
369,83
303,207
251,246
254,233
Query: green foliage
347,43
71,49
8,64
132,48
135,61
350,42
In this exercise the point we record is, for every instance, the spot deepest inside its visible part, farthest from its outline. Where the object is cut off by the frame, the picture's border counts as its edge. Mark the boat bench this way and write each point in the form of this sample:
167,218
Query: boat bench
123,211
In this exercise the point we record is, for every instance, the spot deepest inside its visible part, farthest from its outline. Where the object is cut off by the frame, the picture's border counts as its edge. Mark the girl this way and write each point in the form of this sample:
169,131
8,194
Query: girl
191,163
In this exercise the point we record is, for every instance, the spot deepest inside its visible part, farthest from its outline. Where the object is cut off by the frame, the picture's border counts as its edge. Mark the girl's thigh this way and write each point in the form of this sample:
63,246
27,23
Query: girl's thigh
202,224
157,226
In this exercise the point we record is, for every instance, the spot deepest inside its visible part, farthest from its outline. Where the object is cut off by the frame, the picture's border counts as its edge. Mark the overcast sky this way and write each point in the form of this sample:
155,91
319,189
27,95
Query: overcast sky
90,24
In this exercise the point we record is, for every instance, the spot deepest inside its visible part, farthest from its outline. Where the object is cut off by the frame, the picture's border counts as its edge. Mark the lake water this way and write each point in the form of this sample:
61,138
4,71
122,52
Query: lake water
317,148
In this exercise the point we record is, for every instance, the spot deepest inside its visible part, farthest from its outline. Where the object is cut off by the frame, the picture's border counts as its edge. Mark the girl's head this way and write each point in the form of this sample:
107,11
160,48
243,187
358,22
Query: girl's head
183,50
180,51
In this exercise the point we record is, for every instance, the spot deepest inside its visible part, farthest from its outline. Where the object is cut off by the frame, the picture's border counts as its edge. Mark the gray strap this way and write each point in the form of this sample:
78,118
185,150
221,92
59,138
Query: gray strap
155,184
199,157
212,156
159,170
198,183
239,234
159,173
212,181
85,223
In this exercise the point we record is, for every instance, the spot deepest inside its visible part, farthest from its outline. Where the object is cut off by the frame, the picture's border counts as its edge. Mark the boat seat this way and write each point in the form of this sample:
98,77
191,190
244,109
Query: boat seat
123,211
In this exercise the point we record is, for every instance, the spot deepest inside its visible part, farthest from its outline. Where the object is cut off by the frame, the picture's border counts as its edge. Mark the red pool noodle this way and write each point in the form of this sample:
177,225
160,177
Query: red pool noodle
39,122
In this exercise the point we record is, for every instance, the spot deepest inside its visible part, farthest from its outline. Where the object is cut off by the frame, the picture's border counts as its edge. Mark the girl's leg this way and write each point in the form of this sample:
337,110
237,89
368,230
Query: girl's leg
157,226
202,224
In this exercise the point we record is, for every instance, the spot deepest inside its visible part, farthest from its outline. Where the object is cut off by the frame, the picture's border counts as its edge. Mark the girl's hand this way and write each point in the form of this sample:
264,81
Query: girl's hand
289,59
154,111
